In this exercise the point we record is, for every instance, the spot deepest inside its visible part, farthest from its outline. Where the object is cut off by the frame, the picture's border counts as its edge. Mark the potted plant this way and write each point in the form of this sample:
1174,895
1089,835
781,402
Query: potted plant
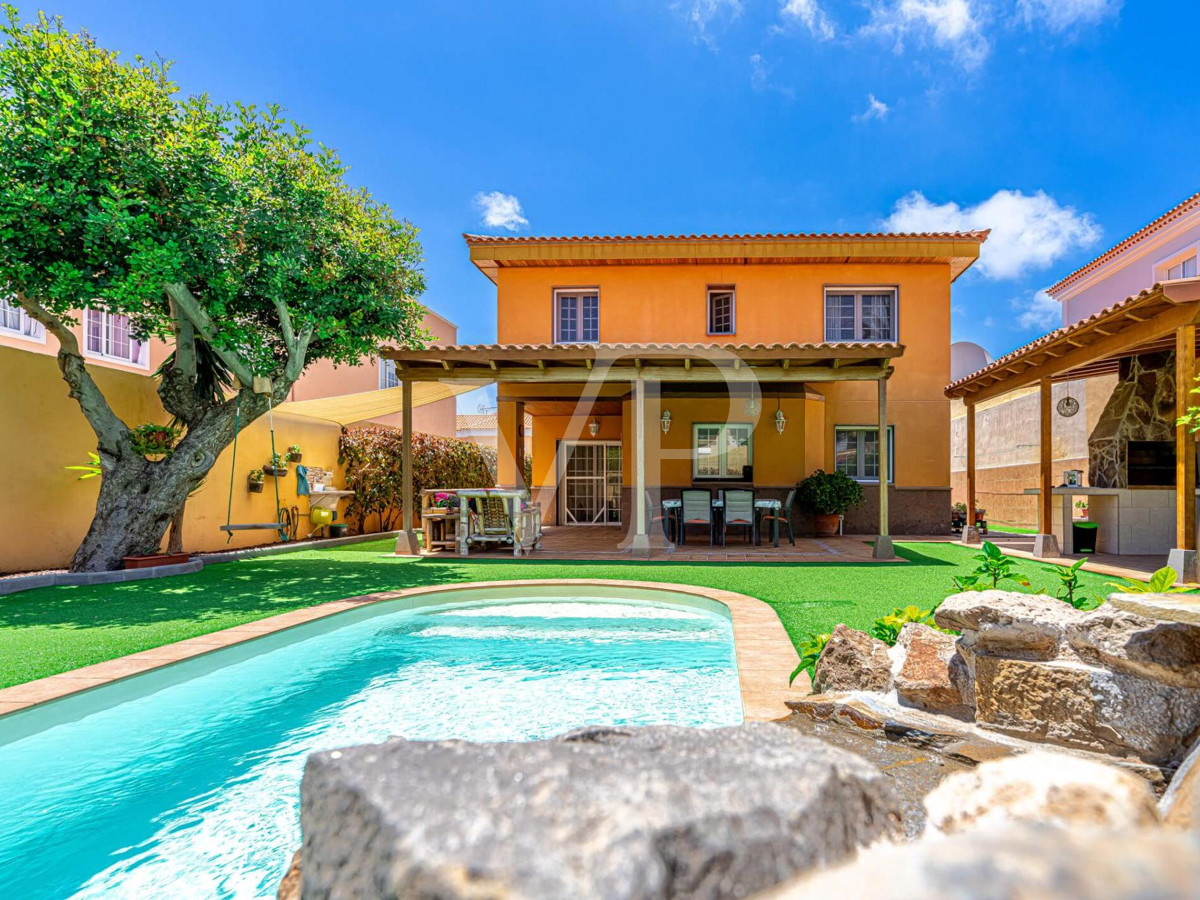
958,516
254,481
827,495
154,440
277,466
294,453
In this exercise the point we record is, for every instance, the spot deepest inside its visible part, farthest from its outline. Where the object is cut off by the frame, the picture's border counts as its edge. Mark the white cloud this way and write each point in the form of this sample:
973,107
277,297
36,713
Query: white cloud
1039,311
876,109
1063,15
700,14
500,210
809,14
760,77
1029,231
949,24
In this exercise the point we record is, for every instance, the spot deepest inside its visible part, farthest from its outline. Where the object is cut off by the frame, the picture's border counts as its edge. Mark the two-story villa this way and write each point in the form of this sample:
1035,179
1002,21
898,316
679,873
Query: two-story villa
654,364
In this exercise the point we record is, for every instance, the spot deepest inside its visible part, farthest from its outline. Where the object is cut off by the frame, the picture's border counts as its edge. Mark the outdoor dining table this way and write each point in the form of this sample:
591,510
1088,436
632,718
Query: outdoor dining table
673,508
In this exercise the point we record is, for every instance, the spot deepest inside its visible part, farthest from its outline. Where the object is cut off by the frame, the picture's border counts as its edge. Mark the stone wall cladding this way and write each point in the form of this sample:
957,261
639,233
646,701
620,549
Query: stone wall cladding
1141,408
910,511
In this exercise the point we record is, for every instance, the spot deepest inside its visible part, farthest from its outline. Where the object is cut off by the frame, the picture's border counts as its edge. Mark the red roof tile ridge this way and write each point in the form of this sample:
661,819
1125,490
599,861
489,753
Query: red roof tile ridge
1169,216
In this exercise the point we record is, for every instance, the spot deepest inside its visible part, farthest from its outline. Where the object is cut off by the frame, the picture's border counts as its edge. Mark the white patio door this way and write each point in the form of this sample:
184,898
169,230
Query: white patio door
589,482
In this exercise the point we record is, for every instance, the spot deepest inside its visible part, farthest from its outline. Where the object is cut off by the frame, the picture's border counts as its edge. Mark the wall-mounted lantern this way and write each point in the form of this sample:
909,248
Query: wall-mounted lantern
665,421
751,406
780,420
594,427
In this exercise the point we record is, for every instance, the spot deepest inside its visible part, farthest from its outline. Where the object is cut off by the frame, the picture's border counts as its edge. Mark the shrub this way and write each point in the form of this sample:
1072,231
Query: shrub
887,628
1161,582
829,493
374,456
810,652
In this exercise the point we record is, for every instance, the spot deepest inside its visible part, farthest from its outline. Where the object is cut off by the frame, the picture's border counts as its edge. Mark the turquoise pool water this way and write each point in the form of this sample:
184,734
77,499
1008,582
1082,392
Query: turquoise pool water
185,783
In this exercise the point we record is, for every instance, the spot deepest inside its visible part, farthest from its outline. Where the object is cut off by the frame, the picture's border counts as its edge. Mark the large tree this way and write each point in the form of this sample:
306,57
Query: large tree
222,230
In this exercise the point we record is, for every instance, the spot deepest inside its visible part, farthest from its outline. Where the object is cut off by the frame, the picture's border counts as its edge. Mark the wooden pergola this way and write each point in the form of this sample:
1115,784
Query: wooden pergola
1161,318
637,365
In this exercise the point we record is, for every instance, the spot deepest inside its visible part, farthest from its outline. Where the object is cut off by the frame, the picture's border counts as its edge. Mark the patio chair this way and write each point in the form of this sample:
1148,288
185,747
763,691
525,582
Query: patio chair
697,510
784,515
739,510
491,520
651,517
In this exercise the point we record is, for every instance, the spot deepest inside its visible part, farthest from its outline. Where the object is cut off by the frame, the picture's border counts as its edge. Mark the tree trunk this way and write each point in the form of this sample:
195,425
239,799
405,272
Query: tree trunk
175,538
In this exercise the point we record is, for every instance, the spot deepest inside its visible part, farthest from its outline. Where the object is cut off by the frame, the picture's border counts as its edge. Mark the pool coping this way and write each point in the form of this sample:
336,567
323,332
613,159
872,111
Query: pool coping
765,654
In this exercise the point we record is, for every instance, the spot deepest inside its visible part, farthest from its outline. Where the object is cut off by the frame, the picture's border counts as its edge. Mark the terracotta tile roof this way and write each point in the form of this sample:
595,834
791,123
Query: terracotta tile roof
1175,212
772,236
483,422
1059,334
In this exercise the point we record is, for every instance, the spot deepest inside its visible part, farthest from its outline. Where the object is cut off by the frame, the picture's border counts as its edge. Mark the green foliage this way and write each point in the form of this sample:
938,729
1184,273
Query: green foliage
810,651
294,452
154,440
887,628
1191,418
1068,577
91,470
1161,582
256,475
829,493
278,461
995,567
374,457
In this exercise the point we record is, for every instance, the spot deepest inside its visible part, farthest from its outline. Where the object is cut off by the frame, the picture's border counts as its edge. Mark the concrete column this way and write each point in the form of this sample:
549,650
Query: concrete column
883,542
406,540
641,540
1046,544
1183,557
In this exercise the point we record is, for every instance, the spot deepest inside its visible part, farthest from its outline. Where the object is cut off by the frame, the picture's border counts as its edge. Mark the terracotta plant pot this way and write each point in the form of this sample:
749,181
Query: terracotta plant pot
151,560
826,526
255,487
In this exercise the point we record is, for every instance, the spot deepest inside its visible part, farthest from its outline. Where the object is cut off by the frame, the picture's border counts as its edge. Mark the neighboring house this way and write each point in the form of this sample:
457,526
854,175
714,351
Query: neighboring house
1007,445
324,379
654,364
483,428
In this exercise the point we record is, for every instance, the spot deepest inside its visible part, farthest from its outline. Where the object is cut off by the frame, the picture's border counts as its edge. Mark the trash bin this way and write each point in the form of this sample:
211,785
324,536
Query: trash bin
338,530
1083,536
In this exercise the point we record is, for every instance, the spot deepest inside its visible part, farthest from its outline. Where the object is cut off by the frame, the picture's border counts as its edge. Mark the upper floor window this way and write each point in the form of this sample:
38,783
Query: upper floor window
387,374
577,316
721,302
108,336
860,314
15,321
1185,268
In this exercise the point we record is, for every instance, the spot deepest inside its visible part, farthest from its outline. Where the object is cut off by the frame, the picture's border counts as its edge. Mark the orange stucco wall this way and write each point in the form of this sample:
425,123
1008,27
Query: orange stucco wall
775,303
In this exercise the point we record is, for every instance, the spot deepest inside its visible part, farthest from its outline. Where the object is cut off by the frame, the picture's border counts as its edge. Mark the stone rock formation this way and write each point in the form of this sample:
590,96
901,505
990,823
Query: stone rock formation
1022,626
604,812
1180,805
853,661
934,676
1042,787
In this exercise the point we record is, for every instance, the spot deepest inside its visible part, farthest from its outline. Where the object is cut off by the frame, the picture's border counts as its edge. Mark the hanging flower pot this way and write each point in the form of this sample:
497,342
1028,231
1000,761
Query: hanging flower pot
255,482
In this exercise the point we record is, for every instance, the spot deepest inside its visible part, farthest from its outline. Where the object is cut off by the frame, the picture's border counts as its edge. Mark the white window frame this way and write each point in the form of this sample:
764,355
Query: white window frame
708,309
860,430
722,449
106,320
1163,266
858,291
578,293
28,329
387,374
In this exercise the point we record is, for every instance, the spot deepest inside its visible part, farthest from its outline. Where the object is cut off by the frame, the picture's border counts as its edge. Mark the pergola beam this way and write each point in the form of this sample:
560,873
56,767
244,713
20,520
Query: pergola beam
653,373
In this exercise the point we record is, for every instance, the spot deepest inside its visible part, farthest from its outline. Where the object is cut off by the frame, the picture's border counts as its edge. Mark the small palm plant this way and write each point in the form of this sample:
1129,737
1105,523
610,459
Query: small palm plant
91,470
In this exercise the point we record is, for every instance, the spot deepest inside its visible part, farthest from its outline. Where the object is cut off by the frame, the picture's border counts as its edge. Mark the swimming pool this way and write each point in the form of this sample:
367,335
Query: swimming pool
184,782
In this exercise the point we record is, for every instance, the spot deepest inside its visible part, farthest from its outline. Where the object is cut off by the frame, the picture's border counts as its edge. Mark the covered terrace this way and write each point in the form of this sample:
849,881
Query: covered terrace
1161,320
629,382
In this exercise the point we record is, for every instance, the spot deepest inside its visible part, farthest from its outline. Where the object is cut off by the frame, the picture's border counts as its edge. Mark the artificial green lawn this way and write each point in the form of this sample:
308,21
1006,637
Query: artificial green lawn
51,630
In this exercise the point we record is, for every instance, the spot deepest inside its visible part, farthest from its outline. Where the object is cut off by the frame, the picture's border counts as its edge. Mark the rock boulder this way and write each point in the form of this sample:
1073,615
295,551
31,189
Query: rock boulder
1025,626
1180,805
934,676
1163,651
1042,787
649,812
853,661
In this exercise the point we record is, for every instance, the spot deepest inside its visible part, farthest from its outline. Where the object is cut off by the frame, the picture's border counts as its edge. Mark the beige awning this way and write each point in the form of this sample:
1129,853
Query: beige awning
350,408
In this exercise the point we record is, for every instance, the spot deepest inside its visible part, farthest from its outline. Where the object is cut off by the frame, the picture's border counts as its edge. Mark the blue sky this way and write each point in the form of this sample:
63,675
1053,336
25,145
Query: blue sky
1062,124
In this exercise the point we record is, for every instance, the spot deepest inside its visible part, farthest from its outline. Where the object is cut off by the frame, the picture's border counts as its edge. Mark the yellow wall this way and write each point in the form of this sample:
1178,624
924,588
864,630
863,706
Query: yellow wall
775,303
42,430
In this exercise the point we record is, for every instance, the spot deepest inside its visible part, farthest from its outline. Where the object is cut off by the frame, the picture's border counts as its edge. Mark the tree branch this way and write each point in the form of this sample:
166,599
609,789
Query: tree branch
195,313
297,355
112,435
185,342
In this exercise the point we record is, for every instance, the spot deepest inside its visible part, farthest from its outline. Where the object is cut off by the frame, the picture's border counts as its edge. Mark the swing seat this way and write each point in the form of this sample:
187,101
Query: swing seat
260,526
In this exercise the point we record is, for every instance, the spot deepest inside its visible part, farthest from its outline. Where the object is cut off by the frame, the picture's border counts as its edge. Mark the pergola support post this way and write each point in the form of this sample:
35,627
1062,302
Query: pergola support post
640,546
1183,557
970,533
1045,545
406,540
883,548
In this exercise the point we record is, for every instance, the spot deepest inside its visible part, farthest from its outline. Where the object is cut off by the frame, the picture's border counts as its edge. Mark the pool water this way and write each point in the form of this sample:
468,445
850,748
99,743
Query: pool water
188,786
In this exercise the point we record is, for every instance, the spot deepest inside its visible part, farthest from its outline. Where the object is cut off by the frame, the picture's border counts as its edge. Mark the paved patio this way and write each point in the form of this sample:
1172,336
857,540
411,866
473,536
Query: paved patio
608,543
1119,566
